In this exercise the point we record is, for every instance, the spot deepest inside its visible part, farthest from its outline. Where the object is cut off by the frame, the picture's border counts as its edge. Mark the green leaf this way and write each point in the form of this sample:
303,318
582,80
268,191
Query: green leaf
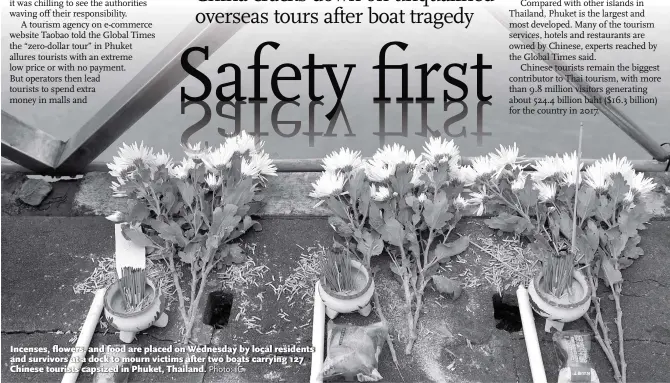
411,201
187,192
168,200
445,252
232,254
341,227
630,221
337,207
240,194
509,223
441,176
371,244
397,270
356,185
416,218
448,287
431,271
611,275
554,226
375,217
178,234
528,196
624,263
618,188
414,246
541,247
139,212
616,240
630,252
392,232
255,207
137,237
189,253
586,202
364,198
229,222
248,223
605,208
592,234
435,212
401,182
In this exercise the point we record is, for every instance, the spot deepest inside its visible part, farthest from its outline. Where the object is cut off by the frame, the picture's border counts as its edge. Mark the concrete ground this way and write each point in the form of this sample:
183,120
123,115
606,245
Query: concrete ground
45,252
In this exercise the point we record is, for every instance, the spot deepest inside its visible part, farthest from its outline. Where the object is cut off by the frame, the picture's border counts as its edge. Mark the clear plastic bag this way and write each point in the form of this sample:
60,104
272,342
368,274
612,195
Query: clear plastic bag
573,348
353,352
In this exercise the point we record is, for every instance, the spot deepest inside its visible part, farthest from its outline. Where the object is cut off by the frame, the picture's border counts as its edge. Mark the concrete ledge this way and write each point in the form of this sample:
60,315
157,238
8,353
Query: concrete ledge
286,195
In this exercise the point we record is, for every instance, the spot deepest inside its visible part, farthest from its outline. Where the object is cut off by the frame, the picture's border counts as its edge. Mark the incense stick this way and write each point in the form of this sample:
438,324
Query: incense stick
574,214
133,288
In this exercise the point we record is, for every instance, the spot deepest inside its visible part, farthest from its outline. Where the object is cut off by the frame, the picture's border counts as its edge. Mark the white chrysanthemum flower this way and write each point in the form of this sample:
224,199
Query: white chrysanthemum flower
130,156
244,143
219,158
596,177
465,175
479,198
505,156
327,185
181,170
116,217
162,159
460,203
195,151
639,184
212,181
117,170
417,173
394,155
116,186
483,165
422,197
259,166
378,171
546,168
520,181
380,194
613,165
547,191
568,168
438,151
629,197
345,160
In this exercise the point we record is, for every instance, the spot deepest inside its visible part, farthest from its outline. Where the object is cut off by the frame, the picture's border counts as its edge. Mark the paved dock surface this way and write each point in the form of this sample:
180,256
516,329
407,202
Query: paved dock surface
43,257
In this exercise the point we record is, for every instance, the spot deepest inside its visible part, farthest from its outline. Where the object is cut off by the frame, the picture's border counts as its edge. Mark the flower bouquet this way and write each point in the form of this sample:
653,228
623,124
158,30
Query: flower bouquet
599,208
401,203
194,210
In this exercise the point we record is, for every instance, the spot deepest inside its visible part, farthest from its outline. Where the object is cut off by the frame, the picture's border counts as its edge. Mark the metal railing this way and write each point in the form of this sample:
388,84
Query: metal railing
39,152
36,151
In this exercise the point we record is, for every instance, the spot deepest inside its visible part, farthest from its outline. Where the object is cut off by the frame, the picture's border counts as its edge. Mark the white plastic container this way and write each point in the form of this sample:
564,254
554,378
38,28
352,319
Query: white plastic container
568,308
337,303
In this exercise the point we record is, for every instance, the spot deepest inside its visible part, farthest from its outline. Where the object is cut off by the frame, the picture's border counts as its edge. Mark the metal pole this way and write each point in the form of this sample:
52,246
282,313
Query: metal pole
142,93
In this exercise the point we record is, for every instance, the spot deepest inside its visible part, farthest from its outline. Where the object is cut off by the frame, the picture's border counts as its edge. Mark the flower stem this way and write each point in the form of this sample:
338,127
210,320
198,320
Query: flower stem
619,322
607,350
180,295
380,314
603,339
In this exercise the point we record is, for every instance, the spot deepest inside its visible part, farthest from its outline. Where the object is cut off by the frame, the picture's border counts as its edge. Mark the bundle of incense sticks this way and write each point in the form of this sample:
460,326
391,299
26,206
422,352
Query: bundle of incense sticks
133,284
